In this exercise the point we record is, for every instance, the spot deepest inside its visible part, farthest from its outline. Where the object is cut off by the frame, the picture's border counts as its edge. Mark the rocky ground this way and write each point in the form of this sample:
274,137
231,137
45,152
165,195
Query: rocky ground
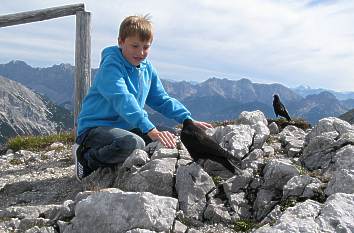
290,181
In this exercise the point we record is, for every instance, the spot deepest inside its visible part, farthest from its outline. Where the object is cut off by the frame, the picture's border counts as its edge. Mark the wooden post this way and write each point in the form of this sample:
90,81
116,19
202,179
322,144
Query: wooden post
82,60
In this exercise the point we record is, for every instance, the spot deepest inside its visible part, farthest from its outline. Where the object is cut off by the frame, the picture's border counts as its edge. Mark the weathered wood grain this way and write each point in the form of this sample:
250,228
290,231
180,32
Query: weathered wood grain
82,59
40,15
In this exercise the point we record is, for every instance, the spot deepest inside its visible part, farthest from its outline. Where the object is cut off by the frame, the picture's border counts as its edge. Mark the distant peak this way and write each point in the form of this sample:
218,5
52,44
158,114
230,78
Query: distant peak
244,81
18,62
323,95
303,87
326,93
63,66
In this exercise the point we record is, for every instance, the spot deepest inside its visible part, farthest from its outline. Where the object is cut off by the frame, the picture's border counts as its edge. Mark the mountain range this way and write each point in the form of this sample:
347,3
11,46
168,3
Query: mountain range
213,99
306,90
219,99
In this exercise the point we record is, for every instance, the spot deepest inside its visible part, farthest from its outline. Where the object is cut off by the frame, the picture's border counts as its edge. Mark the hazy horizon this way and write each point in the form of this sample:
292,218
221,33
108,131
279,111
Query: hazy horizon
194,81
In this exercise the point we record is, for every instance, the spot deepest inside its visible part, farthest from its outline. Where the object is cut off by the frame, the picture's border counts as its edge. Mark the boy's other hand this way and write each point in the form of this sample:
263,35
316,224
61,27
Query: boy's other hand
203,125
166,138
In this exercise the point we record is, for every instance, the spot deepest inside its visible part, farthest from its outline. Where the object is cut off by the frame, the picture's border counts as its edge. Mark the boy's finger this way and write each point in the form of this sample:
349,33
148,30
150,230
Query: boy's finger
164,139
169,138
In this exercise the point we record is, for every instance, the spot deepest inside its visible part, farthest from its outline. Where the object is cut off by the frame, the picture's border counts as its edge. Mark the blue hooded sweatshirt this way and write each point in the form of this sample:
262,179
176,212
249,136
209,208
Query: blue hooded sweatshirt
119,92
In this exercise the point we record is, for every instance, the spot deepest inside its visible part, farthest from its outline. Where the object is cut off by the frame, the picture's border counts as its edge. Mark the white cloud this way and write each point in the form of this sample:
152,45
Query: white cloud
290,42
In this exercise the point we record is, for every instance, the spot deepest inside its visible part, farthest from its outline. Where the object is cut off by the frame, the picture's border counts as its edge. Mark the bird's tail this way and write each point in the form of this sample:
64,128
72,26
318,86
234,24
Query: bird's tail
288,117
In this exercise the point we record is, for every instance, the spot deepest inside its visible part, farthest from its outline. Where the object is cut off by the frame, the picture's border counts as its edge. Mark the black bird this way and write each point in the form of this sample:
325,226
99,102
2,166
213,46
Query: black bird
202,146
279,108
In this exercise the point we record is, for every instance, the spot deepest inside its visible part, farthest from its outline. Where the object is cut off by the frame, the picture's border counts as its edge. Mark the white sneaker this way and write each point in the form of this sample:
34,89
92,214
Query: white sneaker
81,168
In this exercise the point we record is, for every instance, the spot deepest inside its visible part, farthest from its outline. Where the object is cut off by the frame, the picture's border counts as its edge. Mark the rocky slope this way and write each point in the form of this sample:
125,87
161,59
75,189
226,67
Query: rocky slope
290,181
22,112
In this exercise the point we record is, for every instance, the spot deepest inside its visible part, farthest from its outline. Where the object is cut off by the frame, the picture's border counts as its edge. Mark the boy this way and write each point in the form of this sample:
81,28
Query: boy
112,122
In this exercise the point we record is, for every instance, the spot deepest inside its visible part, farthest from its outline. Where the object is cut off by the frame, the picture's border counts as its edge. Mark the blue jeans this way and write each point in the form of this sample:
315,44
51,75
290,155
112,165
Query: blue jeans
107,146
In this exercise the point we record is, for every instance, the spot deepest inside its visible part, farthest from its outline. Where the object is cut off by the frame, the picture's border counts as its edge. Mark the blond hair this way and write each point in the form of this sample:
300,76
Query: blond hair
136,25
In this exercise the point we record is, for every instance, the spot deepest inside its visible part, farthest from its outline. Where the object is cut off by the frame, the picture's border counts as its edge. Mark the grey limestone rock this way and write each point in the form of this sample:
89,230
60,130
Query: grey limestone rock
264,203
258,122
192,185
268,150
344,158
216,133
318,153
216,169
112,210
138,230
300,218
341,182
301,186
240,205
278,172
254,160
329,124
342,178
294,152
179,227
165,153
216,212
22,212
30,223
251,118
184,154
337,214
292,139
261,134
238,183
60,212
238,140
137,158
152,147
103,177
273,216
156,176
37,229
273,128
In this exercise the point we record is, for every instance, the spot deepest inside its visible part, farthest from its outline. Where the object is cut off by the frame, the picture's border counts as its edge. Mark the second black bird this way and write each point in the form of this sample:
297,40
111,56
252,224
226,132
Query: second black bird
279,108
202,146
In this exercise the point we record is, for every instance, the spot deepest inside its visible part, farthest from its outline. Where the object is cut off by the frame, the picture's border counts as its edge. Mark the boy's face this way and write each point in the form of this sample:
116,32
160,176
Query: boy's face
134,50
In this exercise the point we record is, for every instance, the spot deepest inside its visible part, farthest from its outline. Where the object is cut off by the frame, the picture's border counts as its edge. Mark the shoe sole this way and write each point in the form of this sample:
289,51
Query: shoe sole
73,152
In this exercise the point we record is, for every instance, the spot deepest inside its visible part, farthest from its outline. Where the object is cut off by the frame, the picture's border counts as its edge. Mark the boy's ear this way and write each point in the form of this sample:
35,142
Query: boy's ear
120,41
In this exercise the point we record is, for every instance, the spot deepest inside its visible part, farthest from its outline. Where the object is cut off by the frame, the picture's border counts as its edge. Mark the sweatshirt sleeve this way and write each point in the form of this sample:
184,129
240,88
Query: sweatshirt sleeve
114,89
159,100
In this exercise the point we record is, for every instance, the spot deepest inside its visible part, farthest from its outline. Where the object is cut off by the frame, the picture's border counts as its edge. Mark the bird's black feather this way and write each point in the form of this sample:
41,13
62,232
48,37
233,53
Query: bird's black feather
202,146
279,108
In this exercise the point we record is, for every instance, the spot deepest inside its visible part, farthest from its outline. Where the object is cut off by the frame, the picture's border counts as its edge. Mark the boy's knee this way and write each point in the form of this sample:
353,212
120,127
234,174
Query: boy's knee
139,142
131,143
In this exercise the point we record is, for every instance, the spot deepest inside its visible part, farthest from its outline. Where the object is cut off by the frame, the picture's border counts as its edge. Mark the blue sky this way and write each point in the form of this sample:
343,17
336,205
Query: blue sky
292,42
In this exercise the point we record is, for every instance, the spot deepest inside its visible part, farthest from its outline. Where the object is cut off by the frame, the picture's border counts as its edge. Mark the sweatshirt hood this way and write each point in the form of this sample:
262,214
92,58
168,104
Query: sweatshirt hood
117,52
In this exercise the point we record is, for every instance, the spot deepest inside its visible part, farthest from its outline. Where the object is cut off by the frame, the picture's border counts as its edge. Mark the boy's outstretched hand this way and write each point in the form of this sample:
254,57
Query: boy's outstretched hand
166,138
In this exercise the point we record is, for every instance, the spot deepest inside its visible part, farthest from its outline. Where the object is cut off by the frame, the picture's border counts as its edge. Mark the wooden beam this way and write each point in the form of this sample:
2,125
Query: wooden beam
39,15
82,60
